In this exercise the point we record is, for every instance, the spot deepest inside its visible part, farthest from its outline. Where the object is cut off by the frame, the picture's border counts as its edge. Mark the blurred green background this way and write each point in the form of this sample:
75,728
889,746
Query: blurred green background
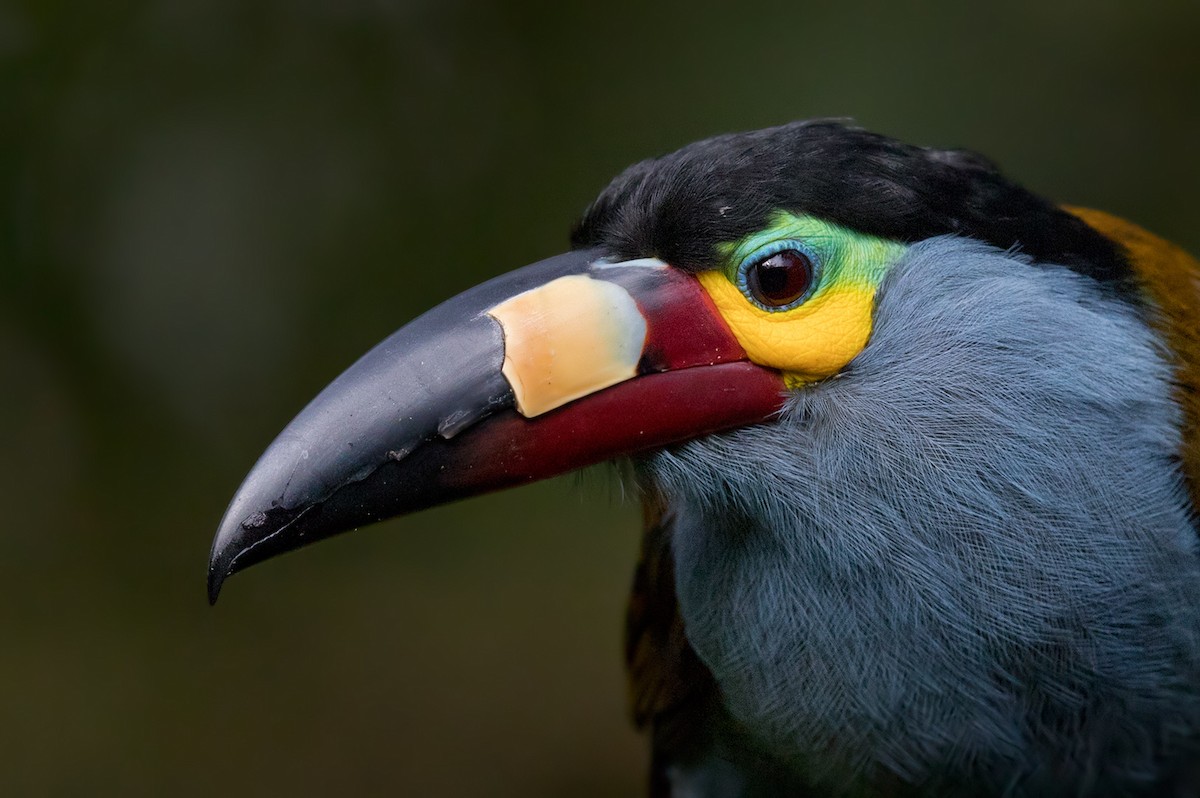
208,208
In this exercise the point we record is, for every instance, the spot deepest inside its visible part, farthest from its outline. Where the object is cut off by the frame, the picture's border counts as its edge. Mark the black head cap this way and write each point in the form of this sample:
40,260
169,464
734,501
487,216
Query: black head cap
680,206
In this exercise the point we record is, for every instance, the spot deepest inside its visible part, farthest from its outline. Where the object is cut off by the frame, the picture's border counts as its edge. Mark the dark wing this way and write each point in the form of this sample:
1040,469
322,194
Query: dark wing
672,695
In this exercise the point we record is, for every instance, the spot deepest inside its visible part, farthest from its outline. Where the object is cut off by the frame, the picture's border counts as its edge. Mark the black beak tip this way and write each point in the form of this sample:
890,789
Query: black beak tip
219,568
216,577
242,543
227,547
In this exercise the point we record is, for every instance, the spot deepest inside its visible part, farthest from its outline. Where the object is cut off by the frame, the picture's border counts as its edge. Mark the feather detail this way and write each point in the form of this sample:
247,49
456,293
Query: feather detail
1171,278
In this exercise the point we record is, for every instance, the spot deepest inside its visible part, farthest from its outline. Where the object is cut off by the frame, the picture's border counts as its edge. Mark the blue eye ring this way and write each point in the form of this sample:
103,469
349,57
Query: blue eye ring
746,282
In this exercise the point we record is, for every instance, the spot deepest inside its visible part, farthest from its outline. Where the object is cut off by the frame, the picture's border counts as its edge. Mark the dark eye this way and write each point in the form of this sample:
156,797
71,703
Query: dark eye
781,279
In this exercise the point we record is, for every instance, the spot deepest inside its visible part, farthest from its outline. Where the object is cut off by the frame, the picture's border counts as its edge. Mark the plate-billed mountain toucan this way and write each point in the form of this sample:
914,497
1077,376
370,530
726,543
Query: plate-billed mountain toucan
919,451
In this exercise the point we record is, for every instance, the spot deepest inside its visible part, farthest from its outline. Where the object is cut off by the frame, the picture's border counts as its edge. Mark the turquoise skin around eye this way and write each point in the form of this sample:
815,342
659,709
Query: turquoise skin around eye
840,256
741,277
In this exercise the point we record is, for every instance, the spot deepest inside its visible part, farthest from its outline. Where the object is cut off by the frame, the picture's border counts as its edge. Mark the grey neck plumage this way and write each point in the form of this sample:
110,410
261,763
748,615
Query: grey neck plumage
968,559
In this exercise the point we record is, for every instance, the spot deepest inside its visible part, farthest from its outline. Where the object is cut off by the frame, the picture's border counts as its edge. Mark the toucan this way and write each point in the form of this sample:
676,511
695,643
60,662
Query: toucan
919,452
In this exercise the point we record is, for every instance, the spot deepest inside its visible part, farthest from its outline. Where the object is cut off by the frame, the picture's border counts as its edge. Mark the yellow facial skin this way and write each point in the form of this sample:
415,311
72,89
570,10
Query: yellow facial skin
818,337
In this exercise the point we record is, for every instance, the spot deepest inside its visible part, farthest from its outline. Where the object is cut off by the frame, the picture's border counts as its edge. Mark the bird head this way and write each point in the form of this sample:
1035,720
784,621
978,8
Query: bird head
916,427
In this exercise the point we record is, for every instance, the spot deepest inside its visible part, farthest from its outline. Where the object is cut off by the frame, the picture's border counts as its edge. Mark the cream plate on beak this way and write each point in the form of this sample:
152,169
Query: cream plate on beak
568,338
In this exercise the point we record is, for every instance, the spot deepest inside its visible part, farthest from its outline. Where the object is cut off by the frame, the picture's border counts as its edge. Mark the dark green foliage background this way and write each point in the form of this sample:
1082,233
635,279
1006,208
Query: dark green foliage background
210,207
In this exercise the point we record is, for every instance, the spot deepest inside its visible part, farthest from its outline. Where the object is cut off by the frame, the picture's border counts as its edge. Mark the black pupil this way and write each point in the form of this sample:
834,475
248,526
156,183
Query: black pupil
781,279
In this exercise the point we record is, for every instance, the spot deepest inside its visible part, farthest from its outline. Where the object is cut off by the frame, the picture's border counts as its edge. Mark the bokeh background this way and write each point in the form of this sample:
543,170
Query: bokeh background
208,208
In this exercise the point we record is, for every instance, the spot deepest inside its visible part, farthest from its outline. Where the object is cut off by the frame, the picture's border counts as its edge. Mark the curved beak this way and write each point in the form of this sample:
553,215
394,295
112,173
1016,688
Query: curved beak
568,362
